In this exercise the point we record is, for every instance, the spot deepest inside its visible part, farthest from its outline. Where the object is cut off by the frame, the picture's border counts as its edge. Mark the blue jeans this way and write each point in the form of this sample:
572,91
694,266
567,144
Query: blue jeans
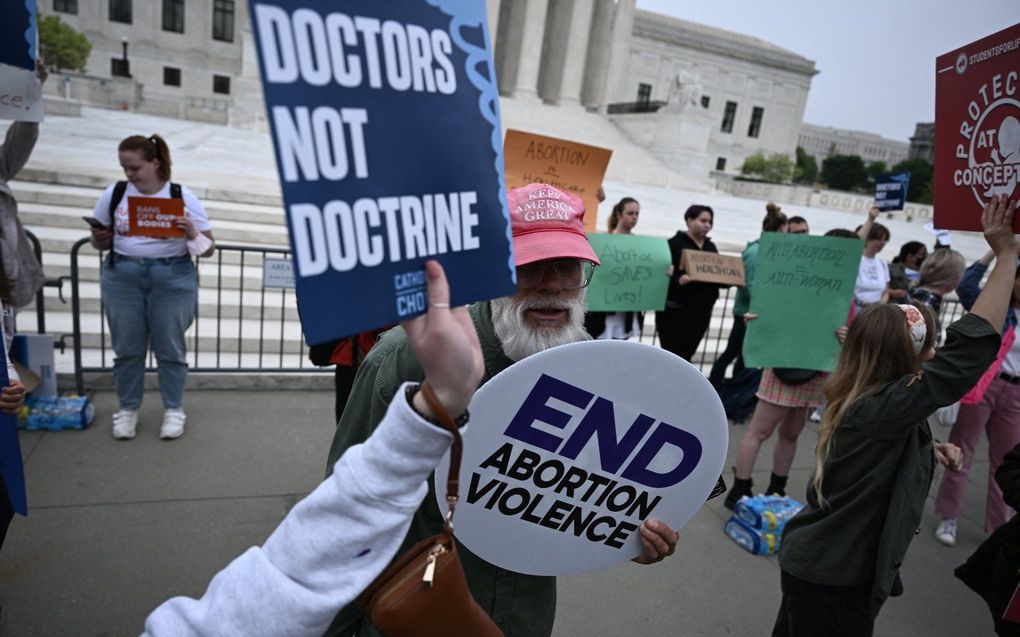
149,301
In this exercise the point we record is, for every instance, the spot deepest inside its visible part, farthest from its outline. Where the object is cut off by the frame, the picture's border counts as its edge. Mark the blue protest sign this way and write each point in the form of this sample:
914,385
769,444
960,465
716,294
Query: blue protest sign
891,191
10,454
17,33
385,122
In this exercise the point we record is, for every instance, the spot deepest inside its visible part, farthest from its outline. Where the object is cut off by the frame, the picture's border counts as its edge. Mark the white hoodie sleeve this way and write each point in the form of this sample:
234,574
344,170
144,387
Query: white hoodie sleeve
330,546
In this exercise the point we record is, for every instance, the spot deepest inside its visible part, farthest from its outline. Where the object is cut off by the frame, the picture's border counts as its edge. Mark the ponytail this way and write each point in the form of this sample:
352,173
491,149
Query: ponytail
152,148
774,218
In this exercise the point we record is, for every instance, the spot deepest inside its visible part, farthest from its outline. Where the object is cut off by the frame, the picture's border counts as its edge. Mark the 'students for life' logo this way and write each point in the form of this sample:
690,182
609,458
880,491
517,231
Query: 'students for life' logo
987,156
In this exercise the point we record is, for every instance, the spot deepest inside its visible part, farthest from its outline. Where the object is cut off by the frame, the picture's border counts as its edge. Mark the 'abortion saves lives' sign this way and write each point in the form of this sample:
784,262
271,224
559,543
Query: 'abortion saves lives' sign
565,457
385,120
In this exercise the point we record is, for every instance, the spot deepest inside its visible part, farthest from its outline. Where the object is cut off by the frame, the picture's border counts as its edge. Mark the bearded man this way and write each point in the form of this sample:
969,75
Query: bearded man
554,263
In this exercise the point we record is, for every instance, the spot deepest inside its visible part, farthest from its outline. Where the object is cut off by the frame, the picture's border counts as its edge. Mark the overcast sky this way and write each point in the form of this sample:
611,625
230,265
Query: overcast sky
876,58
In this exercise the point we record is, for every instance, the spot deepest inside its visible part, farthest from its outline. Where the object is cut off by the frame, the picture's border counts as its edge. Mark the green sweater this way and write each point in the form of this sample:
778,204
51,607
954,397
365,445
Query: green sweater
521,605
879,471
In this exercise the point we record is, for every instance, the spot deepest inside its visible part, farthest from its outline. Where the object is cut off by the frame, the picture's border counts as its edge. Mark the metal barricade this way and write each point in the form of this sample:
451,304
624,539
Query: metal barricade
239,326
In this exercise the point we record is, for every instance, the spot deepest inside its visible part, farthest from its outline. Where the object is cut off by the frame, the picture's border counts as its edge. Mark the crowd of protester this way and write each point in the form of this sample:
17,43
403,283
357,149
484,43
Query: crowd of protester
875,452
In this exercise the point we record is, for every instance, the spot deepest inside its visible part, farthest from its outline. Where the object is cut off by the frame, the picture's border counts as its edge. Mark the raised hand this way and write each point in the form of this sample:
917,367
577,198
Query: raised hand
446,343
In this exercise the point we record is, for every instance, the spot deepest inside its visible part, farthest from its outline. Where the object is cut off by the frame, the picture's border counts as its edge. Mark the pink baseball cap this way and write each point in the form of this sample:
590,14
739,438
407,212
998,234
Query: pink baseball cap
547,223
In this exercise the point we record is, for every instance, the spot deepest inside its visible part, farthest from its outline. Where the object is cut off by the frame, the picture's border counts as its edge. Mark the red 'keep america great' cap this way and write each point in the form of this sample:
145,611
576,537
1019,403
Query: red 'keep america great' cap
547,223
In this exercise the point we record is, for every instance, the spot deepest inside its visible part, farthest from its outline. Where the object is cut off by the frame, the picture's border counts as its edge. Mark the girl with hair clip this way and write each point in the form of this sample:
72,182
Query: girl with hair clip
840,556
149,285
618,325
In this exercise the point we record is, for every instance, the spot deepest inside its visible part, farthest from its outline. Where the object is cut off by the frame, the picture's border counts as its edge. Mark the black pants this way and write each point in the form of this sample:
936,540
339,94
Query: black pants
6,510
816,610
734,352
681,330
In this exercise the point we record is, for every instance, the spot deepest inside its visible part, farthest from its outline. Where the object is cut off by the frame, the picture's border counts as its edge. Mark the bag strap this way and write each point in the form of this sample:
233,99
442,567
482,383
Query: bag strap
453,478
175,191
118,193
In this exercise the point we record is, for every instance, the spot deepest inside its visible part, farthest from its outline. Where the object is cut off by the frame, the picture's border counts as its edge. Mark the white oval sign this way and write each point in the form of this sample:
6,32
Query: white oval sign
569,450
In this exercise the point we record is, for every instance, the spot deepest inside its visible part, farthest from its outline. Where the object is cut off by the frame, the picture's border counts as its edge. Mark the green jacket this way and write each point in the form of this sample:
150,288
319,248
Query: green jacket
742,304
521,605
879,471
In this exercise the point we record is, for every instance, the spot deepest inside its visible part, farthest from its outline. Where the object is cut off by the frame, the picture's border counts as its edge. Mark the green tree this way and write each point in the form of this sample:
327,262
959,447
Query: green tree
777,168
875,169
806,170
921,173
844,172
61,46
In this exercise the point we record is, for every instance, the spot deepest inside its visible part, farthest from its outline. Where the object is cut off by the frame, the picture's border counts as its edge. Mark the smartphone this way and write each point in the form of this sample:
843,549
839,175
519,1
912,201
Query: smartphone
95,223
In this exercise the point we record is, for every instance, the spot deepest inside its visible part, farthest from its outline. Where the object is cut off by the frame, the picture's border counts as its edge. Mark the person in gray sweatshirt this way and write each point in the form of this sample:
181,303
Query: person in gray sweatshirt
334,543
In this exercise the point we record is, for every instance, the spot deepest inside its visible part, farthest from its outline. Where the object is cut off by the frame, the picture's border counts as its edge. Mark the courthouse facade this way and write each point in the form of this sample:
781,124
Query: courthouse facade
742,95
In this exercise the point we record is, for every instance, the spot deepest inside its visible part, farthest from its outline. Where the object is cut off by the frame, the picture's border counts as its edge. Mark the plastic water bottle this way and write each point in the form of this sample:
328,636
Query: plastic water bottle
767,512
752,540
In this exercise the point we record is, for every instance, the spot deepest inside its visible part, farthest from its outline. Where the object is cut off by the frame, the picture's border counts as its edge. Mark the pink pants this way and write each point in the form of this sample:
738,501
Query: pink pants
998,414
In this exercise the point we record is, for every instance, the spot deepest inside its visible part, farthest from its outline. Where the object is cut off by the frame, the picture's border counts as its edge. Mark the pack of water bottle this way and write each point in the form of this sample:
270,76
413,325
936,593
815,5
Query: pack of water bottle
757,523
54,413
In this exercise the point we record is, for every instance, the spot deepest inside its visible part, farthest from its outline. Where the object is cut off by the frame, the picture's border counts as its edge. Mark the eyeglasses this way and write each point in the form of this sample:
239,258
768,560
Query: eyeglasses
573,274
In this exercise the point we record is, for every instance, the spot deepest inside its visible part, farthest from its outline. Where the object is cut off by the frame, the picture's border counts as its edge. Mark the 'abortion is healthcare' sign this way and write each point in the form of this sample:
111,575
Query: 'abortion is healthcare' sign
567,454
385,121
977,128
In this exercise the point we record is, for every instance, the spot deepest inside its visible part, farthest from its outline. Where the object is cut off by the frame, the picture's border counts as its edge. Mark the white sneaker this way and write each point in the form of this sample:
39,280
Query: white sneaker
946,532
125,423
173,424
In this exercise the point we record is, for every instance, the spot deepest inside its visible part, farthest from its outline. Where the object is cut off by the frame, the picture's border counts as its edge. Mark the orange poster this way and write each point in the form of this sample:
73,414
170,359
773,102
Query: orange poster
155,217
567,165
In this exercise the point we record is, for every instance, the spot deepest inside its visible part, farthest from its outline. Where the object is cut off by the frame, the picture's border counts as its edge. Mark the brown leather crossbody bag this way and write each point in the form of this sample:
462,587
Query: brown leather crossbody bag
423,593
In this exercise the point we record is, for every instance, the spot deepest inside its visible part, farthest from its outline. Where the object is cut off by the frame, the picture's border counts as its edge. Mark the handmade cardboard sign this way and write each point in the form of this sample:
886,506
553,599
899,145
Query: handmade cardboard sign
563,461
891,191
155,217
977,129
385,123
632,276
568,165
803,286
710,267
20,91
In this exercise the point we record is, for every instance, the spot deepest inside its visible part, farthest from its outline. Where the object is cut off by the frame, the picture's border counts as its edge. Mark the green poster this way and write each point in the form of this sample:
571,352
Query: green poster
632,276
802,290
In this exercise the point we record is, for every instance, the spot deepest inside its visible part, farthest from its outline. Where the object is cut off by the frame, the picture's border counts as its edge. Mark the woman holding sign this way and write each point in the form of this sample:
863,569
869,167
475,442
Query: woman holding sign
618,325
683,323
840,556
151,228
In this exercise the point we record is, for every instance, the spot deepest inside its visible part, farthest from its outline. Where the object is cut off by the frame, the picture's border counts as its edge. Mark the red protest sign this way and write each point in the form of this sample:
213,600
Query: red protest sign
155,217
977,128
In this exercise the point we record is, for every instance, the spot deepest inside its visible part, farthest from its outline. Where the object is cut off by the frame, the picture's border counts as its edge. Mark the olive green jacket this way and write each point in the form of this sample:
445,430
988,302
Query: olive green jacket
521,605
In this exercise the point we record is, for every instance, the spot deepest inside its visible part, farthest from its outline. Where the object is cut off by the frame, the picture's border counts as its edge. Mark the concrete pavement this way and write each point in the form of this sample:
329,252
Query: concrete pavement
117,527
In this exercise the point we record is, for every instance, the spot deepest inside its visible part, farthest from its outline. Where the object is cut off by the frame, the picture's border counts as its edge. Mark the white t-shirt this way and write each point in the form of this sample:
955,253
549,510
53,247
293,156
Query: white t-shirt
872,279
149,247
1011,364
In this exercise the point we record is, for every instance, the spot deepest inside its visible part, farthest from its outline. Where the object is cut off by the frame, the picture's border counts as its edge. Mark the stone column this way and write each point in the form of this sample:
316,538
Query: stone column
530,58
619,56
576,40
596,66
507,43
492,10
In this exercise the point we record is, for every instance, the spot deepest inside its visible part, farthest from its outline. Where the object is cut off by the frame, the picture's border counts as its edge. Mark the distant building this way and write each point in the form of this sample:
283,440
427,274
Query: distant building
922,144
754,91
825,141
724,95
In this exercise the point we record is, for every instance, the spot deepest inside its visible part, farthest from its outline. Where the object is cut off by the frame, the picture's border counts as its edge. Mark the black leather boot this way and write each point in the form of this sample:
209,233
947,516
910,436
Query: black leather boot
777,485
739,489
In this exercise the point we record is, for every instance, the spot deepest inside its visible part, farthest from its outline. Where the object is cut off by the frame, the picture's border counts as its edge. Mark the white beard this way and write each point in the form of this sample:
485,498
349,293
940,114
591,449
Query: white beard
520,339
